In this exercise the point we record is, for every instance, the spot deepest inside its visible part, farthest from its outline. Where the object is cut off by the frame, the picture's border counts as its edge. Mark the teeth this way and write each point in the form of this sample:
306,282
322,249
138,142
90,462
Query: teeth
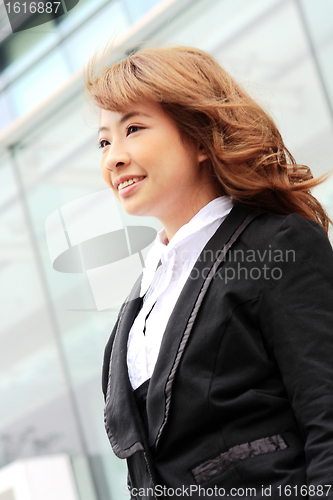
129,182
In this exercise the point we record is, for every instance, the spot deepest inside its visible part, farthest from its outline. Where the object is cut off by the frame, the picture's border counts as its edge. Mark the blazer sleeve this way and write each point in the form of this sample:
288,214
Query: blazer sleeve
296,316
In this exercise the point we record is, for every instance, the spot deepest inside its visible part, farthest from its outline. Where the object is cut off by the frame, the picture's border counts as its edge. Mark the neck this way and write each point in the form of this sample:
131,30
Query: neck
181,216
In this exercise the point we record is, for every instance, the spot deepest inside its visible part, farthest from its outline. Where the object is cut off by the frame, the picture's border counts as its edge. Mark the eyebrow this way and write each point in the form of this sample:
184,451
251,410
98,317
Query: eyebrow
124,118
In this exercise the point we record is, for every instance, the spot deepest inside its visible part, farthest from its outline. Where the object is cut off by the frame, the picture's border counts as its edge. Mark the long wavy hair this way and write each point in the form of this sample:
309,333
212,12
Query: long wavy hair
246,153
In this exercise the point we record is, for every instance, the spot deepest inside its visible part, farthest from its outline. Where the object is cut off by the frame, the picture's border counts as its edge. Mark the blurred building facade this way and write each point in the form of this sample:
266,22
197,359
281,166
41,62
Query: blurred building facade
54,324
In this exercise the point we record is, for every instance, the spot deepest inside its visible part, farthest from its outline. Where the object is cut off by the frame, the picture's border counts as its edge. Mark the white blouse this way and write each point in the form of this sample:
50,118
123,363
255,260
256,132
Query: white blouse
162,284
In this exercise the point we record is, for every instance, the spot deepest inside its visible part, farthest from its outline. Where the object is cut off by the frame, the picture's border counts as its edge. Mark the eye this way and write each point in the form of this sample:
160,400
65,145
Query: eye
132,128
103,143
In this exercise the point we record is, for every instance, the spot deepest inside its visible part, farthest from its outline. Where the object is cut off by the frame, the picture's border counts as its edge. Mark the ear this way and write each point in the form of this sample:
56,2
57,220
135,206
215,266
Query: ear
202,155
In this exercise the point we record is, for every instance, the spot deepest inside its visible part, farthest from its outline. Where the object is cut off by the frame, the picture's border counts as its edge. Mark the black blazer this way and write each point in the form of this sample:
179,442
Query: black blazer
242,392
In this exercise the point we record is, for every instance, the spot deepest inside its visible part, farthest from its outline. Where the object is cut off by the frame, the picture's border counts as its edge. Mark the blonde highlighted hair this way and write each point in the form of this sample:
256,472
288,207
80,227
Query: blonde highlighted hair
246,153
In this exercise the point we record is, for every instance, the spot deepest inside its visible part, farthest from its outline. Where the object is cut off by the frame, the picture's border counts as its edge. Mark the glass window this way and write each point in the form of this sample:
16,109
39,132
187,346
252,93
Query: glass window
6,115
39,82
319,19
32,386
138,9
19,50
8,188
111,21
82,11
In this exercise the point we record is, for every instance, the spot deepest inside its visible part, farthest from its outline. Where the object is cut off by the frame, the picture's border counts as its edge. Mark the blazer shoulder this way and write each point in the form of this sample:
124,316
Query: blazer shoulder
307,236
293,229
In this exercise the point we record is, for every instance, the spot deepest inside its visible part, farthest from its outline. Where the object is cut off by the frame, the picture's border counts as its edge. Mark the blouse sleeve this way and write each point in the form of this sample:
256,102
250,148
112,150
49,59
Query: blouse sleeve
296,314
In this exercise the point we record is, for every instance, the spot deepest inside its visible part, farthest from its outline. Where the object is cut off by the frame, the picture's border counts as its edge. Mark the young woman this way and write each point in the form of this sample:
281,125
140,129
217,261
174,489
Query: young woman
218,376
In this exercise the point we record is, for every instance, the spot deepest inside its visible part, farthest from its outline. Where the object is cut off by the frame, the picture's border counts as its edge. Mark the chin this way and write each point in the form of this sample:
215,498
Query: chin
137,209
133,209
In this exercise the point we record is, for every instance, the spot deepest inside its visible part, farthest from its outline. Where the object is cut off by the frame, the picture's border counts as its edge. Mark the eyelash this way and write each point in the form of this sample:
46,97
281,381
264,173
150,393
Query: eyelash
133,126
100,144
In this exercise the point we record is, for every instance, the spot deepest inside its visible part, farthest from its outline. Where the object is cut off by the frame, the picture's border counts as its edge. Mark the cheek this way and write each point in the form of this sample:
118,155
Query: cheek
106,175
107,179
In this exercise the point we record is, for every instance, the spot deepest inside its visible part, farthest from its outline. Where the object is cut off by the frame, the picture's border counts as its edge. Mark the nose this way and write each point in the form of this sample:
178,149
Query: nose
116,158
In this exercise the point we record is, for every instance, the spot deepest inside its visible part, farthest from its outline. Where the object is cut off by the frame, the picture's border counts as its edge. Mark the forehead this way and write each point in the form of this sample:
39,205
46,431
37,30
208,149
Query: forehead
148,110
144,108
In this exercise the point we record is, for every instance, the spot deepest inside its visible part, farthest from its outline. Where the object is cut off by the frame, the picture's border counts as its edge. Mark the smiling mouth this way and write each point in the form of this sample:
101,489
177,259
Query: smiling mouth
124,184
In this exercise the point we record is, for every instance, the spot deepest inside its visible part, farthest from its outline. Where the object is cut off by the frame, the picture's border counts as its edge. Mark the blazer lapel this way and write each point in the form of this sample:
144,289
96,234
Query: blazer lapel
121,413
173,343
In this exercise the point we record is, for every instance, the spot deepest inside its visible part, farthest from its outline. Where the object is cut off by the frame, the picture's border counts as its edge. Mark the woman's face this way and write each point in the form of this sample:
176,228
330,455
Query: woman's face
149,168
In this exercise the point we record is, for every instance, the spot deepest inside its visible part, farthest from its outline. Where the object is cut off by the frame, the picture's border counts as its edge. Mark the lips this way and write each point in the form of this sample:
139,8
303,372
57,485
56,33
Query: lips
130,181
126,180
